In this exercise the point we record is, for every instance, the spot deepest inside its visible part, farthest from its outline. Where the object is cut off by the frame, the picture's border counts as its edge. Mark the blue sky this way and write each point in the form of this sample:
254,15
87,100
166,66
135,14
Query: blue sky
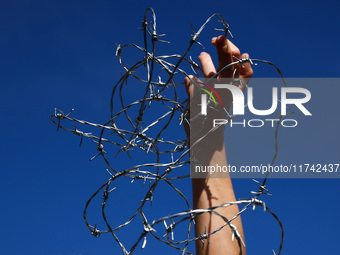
61,54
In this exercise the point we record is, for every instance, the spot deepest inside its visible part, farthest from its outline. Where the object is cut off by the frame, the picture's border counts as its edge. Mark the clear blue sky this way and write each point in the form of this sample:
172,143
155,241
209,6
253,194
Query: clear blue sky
60,54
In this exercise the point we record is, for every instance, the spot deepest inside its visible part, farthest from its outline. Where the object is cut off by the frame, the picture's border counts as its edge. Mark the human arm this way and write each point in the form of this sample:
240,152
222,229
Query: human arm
209,192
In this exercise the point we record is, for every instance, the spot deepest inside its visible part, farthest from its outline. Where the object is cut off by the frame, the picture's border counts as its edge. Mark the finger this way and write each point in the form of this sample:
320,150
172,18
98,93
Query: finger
225,51
246,72
188,86
234,50
190,83
189,91
207,65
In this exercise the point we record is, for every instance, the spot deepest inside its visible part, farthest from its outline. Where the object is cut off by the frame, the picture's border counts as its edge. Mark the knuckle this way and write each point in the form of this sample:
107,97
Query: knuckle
250,72
235,51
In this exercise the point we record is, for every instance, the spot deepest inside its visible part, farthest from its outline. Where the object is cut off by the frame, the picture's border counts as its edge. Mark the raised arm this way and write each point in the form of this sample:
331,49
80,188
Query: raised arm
209,192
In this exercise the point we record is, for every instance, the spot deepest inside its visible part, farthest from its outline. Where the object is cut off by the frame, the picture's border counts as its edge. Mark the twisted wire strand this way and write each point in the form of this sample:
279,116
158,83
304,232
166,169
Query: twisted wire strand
136,137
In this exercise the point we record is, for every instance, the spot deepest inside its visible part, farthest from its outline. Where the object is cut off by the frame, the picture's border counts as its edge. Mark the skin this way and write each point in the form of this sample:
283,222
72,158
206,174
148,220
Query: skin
208,192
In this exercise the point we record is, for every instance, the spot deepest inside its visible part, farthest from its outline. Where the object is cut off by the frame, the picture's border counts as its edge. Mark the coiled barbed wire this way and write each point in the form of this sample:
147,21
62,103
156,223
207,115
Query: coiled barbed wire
144,133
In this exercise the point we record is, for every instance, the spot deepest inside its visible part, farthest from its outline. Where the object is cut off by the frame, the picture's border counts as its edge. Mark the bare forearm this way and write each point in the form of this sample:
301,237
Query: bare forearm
214,191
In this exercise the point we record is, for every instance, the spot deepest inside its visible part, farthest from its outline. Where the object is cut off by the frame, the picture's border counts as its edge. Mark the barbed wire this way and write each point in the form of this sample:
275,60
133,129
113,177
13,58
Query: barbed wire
132,128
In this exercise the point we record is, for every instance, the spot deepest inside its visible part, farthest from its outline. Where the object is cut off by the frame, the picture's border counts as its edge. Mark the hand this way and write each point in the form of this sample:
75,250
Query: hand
226,52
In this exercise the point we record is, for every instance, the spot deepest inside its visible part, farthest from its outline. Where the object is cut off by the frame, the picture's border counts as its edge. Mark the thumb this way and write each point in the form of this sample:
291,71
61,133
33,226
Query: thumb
190,86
